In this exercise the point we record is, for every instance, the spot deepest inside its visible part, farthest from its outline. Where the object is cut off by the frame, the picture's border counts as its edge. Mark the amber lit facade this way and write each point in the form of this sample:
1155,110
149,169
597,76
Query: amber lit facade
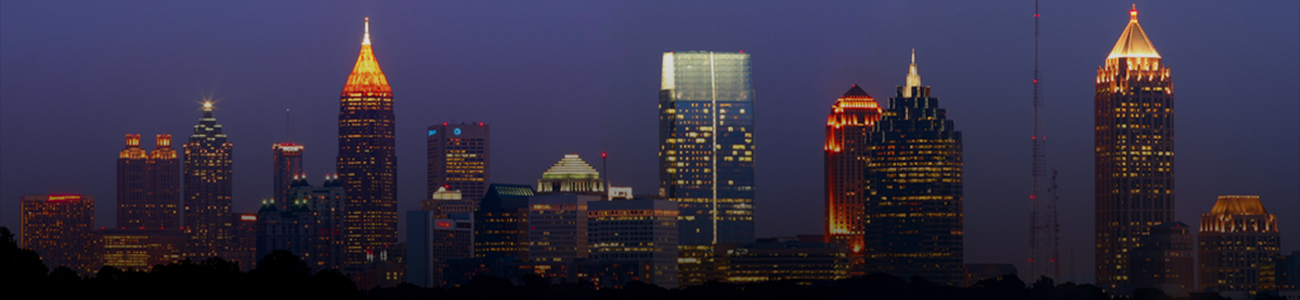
1134,153
848,129
148,185
571,175
367,163
1239,241
459,159
501,223
207,188
60,229
288,164
141,249
913,218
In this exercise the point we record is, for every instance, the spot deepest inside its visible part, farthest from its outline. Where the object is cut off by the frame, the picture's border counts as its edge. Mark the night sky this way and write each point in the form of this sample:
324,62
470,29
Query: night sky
583,77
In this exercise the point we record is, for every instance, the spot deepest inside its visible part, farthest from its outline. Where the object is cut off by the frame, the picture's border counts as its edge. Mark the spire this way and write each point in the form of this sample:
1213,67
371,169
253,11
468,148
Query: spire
366,76
1133,42
208,131
913,79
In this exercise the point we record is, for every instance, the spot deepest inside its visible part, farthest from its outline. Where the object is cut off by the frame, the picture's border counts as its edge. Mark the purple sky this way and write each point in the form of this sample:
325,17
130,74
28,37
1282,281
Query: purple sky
571,77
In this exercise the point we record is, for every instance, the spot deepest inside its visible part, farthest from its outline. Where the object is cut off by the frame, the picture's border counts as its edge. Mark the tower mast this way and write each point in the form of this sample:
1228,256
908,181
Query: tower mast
1043,239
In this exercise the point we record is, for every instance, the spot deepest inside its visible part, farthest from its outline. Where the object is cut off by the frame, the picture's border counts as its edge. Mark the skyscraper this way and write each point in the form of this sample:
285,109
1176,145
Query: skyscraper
367,163
848,130
1239,241
706,153
1134,152
60,229
207,188
288,164
914,211
459,159
501,223
636,230
148,185
571,175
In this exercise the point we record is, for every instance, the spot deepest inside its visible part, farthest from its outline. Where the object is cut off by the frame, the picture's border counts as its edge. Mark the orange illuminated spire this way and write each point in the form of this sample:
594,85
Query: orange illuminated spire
366,76
1133,42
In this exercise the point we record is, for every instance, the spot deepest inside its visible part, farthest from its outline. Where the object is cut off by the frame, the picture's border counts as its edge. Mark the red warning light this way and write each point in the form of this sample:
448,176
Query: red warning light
602,155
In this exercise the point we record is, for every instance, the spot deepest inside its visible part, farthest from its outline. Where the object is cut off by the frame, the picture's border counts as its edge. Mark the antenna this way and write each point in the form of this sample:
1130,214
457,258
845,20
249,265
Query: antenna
286,125
604,165
1043,229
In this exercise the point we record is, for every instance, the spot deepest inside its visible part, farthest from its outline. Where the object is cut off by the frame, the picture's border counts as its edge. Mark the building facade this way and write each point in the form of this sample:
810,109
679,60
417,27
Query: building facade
501,223
60,229
639,230
141,249
783,259
847,154
557,227
367,162
460,158
148,185
207,188
914,212
1238,242
1165,259
571,175
1134,136
432,241
288,164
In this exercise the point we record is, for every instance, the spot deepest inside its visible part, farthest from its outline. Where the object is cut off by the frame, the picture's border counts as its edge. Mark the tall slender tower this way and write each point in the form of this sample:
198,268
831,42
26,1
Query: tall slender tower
134,183
1134,152
847,153
1043,251
207,188
706,152
165,171
367,163
288,164
915,206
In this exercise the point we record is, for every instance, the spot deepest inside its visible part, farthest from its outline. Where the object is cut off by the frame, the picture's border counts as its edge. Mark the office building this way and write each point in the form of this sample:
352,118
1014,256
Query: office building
571,175
1165,259
141,249
312,226
367,163
636,230
501,229
243,241
444,202
459,159
1134,136
773,259
432,241
288,164
207,188
1239,241
60,229
847,152
914,212
557,226
148,185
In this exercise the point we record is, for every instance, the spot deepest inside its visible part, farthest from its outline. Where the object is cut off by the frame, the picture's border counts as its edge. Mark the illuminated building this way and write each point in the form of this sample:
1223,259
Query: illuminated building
59,229
783,259
557,226
640,230
1134,153
914,212
288,164
207,188
848,129
148,185
367,163
501,229
706,153
1239,241
446,202
311,226
571,175
459,159
433,240
1165,259
141,249
243,241
1288,272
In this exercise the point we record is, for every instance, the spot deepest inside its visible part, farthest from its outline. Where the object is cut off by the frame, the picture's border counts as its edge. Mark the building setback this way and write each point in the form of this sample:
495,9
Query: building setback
459,159
914,213
59,229
847,154
367,163
1134,137
207,188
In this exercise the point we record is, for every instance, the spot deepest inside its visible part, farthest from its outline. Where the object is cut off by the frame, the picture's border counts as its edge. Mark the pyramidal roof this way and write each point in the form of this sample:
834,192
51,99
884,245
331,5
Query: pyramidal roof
1133,42
366,76
571,166
1238,205
856,92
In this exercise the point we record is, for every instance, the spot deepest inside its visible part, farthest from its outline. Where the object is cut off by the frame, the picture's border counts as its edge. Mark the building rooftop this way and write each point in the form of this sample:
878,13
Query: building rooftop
1238,205
571,167
1133,42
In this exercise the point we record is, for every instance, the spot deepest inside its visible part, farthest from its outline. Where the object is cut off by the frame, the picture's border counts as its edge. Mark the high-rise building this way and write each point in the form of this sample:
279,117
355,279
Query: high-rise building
59,229
310,228
848,130
642,230
242,248
557,226
459,159
288,164
501,223
914,211
706,153
444,202
148,185
1165,260
1239,241
141,249
367,163
1134,135
432,241
207,188
571,175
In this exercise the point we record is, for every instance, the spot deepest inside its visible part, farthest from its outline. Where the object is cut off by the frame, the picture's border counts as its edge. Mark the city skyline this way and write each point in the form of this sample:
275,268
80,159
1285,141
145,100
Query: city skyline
795,98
